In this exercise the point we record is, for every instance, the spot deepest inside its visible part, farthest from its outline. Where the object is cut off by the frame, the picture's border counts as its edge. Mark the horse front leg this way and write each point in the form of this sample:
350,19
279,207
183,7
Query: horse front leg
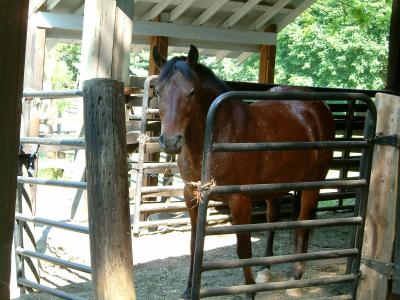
241,210
192,208
273,211
308,204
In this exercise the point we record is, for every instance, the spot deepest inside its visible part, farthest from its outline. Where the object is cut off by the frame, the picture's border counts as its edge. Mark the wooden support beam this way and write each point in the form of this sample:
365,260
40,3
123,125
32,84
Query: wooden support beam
161,42
267,61
107,179
13,28
393,72
380,223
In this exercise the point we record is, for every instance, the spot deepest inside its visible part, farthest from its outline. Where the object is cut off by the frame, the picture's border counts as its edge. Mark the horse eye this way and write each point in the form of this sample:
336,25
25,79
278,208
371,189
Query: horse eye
192,92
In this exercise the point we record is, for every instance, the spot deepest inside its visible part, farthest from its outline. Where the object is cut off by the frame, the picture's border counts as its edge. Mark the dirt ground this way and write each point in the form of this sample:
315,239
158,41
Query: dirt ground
162,262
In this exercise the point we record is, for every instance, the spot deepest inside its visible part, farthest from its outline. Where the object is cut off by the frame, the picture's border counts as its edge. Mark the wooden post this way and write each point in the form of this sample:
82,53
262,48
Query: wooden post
107,179
393,72
267,61
106,39
377,253
13,26
161,43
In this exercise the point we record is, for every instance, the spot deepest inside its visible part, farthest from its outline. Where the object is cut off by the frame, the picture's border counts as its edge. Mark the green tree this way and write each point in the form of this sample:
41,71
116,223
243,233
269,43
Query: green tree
336,43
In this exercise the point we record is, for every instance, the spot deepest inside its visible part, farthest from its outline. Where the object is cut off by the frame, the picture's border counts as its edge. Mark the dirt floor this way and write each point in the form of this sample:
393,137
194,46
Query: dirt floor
162,259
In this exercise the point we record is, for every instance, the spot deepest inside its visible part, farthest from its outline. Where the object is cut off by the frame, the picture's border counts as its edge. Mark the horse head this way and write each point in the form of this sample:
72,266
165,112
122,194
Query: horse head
177,89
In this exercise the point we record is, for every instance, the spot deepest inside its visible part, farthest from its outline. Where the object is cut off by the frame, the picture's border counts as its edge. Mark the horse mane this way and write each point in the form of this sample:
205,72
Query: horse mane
205,74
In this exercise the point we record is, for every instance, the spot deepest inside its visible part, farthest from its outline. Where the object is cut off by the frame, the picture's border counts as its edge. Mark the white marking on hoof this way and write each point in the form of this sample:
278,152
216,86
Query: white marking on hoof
295,292
264,276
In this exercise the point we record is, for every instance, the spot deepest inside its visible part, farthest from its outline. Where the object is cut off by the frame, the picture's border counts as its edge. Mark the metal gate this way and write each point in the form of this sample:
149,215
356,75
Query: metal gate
359,184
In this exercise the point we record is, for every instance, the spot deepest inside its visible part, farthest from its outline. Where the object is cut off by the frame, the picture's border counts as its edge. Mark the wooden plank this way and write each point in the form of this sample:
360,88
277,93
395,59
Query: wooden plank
13,28
393,71
381,211
107,179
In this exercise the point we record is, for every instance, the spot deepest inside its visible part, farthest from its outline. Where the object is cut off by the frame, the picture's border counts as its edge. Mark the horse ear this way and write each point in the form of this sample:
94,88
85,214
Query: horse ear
158,58
193,56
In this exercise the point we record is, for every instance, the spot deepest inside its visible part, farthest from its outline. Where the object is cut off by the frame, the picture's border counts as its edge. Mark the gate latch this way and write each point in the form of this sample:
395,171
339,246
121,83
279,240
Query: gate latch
384,268
387,140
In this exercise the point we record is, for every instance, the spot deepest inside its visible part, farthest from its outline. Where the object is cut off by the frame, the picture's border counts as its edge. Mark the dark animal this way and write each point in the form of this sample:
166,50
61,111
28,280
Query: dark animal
185,91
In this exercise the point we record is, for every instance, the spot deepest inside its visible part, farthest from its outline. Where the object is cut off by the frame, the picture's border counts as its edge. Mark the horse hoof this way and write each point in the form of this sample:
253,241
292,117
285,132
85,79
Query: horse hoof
264,276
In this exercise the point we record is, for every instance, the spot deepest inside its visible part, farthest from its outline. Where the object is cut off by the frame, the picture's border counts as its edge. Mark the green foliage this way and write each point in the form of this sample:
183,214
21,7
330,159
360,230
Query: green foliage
66,70
337,44
51,173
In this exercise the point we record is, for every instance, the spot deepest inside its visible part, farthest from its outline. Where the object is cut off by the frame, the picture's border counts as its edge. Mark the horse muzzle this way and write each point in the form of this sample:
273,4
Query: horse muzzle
171,144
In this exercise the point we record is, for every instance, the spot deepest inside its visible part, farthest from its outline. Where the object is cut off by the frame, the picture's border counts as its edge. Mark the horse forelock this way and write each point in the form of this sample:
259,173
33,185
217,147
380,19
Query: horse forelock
205,74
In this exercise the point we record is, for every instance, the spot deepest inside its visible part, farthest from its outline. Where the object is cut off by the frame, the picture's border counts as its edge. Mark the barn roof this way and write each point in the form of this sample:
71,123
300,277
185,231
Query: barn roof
233,28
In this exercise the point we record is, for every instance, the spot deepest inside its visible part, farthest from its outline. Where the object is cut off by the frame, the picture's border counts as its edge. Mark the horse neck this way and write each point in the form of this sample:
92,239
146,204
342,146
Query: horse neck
196,131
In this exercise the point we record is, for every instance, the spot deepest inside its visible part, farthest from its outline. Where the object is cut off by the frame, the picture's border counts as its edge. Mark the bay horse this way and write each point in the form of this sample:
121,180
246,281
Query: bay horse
185,91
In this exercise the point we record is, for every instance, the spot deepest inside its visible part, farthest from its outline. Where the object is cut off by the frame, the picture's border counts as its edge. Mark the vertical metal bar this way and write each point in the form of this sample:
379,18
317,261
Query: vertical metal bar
362,196
202,212
19,235
346,152
141,150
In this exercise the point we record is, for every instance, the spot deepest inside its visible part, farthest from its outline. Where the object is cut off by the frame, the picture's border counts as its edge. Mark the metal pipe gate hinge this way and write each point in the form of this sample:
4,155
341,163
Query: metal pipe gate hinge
389,270
386,140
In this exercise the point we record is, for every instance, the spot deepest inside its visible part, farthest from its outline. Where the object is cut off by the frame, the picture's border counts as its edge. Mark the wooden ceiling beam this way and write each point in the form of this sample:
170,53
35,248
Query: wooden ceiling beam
221,55
240,13
242,57
209,12
230,6
180,9
64,22
157,9
269,14
295,13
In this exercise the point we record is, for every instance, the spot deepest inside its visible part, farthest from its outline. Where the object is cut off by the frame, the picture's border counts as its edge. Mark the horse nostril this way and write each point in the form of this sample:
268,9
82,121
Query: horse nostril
179,139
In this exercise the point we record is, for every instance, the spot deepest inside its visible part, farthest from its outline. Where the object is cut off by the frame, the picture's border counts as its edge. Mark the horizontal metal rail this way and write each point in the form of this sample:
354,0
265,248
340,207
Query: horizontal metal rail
40,287
75,142
272,286
282,146
53,94
52,223
282,187
281,259
261,227
158,189
53,260
61,183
